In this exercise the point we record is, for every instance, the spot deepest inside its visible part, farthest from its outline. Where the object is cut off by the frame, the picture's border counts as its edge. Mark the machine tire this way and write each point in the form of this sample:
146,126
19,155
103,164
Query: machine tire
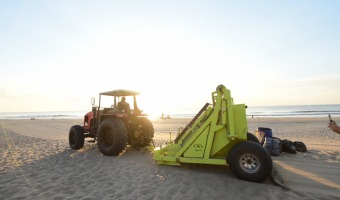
76,137
250,161
112,137
141,132
252,138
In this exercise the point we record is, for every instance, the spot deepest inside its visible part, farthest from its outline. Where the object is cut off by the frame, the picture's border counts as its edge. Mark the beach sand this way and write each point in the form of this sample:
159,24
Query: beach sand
37,163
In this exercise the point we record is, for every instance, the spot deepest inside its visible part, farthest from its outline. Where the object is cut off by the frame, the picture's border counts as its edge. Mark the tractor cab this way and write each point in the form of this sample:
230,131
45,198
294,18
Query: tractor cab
112,104
120,104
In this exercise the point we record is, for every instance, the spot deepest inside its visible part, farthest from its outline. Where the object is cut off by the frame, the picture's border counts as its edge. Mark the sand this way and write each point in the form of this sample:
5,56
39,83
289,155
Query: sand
37,163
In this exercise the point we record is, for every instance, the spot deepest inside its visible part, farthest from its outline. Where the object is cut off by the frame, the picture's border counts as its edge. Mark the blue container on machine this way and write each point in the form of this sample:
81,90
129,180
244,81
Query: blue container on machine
262,132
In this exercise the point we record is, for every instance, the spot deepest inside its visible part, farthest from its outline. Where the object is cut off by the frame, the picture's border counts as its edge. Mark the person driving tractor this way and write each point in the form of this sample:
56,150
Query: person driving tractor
124,106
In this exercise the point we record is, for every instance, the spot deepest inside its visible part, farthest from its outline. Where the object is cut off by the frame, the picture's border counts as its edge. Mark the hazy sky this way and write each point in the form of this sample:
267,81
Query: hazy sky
56,55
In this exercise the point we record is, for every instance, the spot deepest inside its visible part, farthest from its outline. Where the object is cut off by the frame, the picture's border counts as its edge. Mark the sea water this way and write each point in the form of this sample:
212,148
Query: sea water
251,111
294,111
43,115
284,111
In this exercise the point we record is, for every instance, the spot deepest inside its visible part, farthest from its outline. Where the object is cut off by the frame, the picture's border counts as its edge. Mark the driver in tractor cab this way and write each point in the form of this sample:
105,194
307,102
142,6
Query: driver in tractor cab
124,106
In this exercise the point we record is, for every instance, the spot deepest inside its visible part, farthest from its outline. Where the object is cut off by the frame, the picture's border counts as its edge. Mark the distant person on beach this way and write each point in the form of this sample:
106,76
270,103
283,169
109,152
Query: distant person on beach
334,127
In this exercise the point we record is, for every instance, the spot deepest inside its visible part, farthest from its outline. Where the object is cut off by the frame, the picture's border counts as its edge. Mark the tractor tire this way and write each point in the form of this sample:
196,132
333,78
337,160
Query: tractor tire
76,137
141,132
252,138
112,137
250,161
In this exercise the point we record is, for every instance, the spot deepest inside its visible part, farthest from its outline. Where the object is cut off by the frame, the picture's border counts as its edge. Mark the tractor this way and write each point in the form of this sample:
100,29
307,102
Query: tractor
218,135
114,125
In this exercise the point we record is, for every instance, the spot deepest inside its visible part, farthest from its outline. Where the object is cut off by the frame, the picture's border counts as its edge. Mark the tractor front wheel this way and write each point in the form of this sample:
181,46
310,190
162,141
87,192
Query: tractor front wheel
250,161
76,137
112,137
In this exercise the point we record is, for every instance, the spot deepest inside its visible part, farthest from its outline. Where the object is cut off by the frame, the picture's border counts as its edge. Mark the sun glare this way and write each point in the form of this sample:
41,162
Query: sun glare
150,106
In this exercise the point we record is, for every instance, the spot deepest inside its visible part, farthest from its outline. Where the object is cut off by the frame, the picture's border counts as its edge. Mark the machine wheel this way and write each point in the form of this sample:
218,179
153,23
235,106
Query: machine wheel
141,132
250,161
76,137
252,138
112,137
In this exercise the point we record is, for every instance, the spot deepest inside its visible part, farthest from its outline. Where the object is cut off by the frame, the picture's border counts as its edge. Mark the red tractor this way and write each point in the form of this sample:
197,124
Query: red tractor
113,126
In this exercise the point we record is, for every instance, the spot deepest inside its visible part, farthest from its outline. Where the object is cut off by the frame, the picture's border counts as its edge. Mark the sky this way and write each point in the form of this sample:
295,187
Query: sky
56,55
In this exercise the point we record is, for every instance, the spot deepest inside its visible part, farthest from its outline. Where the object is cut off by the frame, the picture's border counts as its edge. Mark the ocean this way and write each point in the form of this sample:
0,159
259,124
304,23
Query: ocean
252,111
294,111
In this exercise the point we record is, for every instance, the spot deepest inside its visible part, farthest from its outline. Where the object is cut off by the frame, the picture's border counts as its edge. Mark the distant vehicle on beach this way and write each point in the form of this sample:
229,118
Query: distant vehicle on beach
165,117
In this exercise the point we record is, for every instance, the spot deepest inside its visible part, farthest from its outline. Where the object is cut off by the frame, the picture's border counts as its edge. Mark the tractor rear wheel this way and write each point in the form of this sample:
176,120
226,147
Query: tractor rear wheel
252,138
76,137
250,161
141,132
112,137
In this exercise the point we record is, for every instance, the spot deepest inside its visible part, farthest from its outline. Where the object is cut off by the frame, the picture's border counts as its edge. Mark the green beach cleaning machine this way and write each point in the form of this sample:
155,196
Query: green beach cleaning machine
218,135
